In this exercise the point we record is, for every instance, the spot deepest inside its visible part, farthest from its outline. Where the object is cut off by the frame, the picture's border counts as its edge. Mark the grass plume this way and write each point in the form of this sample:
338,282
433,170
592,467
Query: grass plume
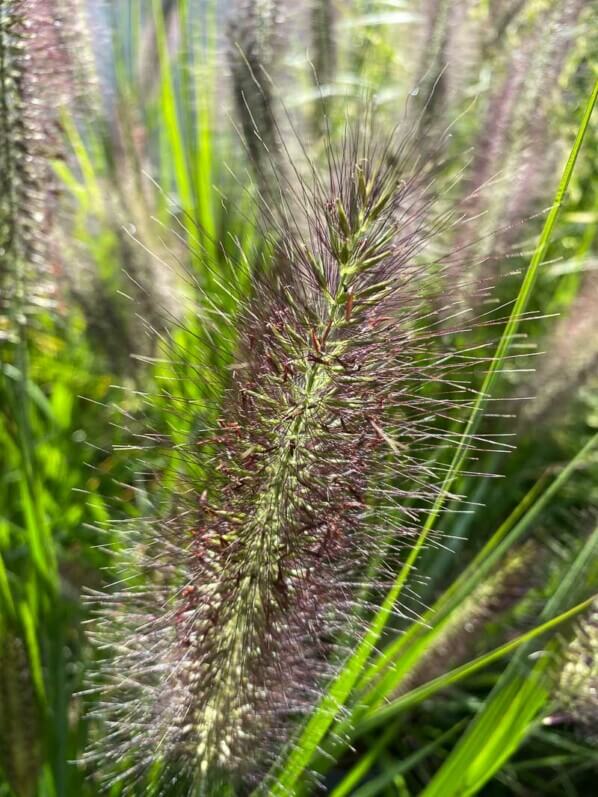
336,390
254,49
577,689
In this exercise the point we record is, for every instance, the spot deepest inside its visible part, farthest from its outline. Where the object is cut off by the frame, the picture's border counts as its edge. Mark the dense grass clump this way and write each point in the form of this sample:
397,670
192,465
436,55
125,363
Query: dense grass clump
298,404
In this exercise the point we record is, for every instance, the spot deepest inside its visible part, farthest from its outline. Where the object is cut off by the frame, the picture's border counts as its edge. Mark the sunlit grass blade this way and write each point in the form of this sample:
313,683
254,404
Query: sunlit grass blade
175,146
507,716
415,696
339,690
404,652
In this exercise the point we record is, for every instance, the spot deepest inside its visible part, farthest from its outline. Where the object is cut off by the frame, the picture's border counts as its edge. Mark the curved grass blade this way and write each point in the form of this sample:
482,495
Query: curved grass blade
512,708
338,692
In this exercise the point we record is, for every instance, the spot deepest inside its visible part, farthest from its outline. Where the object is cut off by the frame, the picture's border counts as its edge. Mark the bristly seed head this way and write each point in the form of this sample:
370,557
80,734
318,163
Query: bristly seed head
36,79
341,374
577,689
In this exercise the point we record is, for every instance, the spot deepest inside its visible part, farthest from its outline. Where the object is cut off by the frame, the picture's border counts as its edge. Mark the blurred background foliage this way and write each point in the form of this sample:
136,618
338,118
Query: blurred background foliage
150,212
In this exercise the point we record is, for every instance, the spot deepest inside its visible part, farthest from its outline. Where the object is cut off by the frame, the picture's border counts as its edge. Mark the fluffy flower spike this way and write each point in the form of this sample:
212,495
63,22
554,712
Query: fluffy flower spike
37,77
315,466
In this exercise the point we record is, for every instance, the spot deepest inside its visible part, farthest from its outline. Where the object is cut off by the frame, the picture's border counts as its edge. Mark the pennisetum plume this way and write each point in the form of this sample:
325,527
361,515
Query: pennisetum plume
511,169
36,78
315,464
24,166
490,601
324,58
571,359
255,44
577,688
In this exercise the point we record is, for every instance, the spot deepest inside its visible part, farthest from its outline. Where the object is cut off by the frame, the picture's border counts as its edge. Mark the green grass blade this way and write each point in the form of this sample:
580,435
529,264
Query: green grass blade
341,687
507,717
502,349
380,783
357,773
175,152
402,654
415,696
